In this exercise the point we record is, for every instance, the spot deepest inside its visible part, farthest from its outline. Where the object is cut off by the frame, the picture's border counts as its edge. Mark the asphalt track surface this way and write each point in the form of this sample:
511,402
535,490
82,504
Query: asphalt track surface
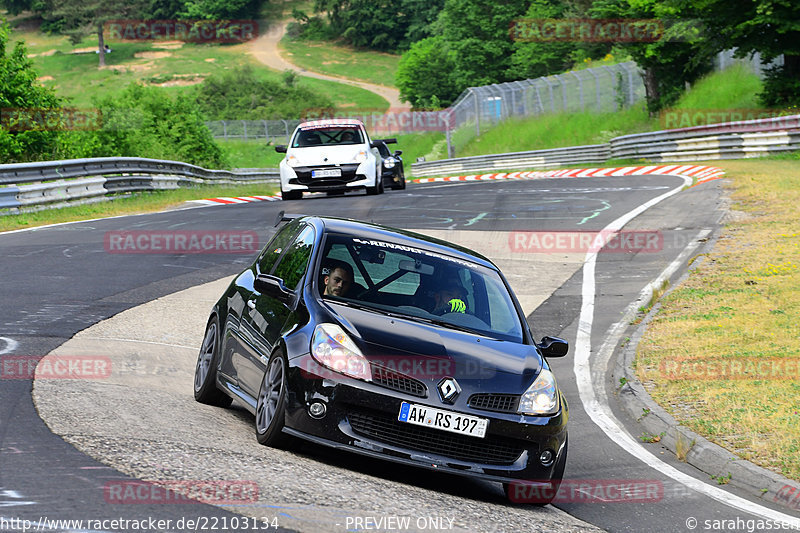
60,280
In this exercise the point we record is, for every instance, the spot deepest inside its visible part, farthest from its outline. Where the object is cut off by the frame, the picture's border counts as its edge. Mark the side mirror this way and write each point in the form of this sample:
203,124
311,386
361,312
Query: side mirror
272,286
398,153
375,144
280,148
553,347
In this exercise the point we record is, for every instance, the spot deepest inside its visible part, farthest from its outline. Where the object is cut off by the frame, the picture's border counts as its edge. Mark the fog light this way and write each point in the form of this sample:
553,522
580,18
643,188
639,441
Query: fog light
547,457
317,410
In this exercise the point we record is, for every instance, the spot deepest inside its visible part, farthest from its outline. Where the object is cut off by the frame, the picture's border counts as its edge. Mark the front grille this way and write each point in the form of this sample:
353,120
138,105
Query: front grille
383,428
304,176
396,381
503,403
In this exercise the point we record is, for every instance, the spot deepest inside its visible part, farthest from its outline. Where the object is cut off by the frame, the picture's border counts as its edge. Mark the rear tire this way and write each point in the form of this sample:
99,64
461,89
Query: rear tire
271,402
291,195
205,372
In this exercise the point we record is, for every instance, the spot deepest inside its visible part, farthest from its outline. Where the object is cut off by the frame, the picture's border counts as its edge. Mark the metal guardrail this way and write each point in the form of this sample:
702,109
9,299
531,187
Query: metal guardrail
75,180
748,138
539,159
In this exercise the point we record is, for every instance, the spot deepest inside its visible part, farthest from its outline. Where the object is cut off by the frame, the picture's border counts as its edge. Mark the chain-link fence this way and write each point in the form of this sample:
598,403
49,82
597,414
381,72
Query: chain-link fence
726,59
275,131
599,89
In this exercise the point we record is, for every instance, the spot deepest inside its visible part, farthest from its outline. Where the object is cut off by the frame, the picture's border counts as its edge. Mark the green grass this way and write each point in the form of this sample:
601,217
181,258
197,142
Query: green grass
78,78
338,60
739,307
142,202
250,154
732,89
258,154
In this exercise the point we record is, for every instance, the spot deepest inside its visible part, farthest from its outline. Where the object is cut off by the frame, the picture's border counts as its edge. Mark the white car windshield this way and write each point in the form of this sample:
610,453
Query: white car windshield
327,136
423,285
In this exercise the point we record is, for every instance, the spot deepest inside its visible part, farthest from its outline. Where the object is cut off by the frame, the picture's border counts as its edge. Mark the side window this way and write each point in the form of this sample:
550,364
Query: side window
294,262
276,246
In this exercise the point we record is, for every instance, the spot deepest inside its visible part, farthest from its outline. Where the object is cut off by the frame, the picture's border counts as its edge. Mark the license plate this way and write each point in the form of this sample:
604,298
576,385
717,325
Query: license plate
422,415
326,173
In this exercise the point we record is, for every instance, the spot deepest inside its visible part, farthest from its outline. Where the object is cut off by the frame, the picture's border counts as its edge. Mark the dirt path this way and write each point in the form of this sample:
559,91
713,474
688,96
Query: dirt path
265,49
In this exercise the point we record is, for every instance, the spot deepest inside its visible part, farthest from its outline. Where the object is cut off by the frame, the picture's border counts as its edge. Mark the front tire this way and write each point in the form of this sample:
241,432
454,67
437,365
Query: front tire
291,195
271,403
205,372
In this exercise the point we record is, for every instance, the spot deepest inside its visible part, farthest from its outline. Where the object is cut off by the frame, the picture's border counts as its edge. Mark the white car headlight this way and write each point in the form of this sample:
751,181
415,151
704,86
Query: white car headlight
292,161
332,348
541,398
389,162
360,157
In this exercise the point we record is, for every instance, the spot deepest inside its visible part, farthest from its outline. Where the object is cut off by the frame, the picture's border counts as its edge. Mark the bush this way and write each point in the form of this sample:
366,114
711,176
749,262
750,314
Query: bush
240,94
147,122
22,96
781,88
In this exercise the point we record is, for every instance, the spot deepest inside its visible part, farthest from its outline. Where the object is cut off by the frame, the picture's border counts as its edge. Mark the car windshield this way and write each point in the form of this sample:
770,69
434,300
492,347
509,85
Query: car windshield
327,136
422,285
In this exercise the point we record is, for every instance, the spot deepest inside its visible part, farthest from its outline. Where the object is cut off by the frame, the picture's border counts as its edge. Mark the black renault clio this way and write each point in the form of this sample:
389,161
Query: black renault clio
390,344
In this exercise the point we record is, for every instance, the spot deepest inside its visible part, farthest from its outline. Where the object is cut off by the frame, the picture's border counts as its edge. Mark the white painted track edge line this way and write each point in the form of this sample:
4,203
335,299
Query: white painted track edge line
600,413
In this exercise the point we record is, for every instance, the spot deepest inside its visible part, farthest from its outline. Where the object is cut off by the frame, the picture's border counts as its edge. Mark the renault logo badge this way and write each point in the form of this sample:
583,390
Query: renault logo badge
448,390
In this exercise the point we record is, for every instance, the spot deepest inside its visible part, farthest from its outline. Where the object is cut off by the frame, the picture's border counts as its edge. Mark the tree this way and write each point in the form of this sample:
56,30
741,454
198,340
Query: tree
540,58
425,74
79,18
678,57
23,137
771,27
385,25
477,33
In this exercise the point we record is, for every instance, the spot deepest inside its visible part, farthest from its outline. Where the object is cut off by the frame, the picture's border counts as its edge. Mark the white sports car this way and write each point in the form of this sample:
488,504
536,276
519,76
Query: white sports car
333,156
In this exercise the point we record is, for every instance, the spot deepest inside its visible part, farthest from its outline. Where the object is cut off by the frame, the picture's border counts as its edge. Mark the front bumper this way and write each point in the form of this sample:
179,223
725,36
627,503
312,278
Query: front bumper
353,176
362,417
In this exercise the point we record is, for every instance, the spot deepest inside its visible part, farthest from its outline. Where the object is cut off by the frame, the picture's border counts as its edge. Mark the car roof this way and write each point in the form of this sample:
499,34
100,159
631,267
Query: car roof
364,230
331,122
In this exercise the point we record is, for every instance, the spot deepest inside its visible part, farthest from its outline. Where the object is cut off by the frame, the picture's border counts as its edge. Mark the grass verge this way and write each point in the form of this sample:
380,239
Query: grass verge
336,60
722,355
143,202
732,89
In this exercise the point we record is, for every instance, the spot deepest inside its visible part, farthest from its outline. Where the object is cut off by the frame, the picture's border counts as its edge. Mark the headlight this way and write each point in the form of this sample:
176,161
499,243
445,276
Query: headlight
541,398
332,348
389,162
292,161
360,157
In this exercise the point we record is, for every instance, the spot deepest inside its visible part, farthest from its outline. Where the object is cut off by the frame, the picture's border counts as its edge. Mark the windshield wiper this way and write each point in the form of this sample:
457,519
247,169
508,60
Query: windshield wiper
439,322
